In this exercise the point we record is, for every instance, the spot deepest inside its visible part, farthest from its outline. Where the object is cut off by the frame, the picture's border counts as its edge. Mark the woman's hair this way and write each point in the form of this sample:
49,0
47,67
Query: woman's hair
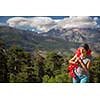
85,46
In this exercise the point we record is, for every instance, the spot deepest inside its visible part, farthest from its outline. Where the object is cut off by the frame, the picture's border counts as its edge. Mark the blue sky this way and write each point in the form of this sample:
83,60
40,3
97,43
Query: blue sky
57,17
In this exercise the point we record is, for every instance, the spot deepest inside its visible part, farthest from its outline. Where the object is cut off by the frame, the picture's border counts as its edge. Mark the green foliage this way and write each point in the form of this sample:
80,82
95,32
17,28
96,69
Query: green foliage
22,77
3,64
53,64
25,67
95,70
52,80
61,78
38,66
45,78
19,66
12,78
19,63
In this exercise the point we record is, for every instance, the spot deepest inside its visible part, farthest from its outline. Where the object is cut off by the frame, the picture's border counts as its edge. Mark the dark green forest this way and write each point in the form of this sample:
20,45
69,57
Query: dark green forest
19,66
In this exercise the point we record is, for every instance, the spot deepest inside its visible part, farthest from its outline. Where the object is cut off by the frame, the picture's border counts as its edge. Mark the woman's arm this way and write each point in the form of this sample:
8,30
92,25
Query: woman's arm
83,65
88,64
72,60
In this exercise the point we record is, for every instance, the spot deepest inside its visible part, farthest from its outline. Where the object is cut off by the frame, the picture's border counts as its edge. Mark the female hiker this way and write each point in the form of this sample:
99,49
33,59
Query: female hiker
80,64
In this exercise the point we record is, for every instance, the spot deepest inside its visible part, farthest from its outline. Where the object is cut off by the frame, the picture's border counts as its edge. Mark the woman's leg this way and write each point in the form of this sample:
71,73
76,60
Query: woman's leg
77,80
84,79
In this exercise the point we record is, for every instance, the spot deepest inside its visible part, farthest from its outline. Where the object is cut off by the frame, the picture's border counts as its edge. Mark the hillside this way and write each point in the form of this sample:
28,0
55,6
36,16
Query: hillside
78,35
55,39
31,41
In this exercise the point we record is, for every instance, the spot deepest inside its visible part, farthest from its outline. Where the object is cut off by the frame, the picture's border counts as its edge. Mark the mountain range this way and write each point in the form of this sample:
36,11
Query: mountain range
55,39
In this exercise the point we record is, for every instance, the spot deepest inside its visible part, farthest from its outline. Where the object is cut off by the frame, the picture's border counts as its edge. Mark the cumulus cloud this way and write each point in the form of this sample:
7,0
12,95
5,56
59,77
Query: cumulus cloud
44,24
17,21
78,21
38,23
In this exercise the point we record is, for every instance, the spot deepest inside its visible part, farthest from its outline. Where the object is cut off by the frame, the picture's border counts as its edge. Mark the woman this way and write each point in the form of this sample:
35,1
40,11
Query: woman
82,71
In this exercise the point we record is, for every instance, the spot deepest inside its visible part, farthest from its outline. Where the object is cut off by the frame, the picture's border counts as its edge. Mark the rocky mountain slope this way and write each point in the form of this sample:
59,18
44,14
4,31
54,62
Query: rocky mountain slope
55,39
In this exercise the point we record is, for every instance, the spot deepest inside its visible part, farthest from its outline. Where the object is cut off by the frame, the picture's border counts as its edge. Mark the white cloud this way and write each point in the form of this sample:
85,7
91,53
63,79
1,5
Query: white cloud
39,23
44,24
17,21
78,21
57,20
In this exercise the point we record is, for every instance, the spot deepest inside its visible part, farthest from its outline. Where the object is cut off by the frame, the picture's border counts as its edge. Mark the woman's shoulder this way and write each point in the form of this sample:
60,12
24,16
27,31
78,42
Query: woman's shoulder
89,58
86,60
